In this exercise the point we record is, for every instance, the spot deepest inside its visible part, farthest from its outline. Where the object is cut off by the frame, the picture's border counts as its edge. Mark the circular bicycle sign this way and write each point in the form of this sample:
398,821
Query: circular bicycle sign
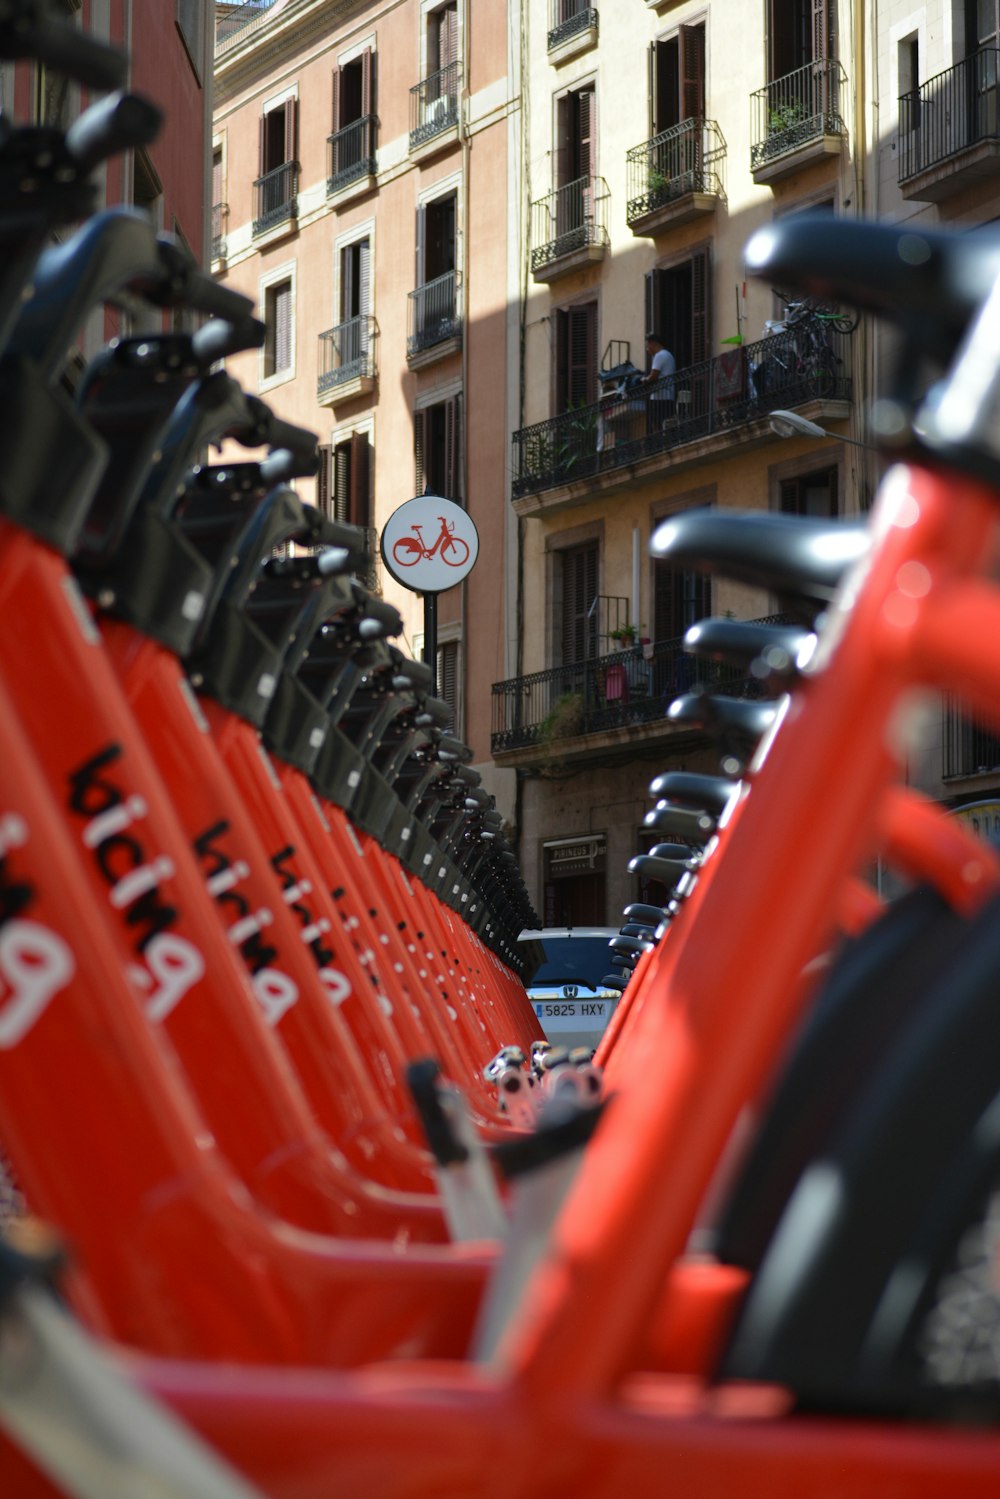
430,544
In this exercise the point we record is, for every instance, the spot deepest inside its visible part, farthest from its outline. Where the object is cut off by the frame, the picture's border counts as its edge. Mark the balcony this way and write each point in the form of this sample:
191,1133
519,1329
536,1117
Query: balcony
569,228
347,361
970,746
220,215
434,320
572,29
547,714
351,156
237,21
693,414
675,176
277,195
434,111
949,129
796,121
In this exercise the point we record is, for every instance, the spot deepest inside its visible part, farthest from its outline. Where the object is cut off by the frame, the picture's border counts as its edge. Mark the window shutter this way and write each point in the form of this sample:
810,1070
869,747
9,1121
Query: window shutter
335,104
323,479
346,283
291,130
283,326
564,141
262,162
822,30
421,237
419,449
585,112
364,278
654,305
447,678
342,482
699,307
582,354
359,503
579,617
367,80
216,177
693,72
654,110
448,36
453,448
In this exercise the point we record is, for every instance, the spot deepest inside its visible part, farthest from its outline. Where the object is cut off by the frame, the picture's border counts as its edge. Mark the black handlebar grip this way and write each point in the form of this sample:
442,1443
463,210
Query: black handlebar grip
386,615
417,673
182,284
282,464
115,124
276,433
219,338
33,29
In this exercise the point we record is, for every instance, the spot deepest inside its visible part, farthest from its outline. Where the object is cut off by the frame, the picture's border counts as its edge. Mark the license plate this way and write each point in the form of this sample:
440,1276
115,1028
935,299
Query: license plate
573,1014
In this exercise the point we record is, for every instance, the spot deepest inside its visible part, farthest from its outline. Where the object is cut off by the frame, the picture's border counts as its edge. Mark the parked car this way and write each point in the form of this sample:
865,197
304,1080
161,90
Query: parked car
565,986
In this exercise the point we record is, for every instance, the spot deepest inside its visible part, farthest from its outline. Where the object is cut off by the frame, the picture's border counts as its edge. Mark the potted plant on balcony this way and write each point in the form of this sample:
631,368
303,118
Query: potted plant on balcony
624,636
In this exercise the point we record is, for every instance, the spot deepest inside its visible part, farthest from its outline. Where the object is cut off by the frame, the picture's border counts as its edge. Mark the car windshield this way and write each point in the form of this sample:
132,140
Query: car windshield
573,960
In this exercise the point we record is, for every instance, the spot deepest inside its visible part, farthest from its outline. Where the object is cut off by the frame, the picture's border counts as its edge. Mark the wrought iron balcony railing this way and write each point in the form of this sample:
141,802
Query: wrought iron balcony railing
233,22
969,745
605,692
220,213
684,159
277,196
434,104
568,219
567,18
794,110
434,313
776,373
346,352
950,112
352,153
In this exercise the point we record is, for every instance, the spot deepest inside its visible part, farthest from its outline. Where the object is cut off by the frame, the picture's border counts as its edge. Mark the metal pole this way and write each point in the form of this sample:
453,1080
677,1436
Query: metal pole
431,636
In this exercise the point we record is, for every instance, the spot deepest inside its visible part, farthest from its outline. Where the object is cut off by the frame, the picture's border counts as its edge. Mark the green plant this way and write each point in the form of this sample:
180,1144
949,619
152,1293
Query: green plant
784,116
564,718
625,635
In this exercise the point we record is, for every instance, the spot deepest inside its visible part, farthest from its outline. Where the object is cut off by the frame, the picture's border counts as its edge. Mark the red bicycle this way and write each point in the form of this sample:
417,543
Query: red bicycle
453,549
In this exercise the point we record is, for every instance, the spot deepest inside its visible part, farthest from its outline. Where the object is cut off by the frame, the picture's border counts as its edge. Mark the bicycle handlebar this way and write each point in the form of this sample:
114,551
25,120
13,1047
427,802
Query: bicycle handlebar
33,29
220,338
277,433
115,124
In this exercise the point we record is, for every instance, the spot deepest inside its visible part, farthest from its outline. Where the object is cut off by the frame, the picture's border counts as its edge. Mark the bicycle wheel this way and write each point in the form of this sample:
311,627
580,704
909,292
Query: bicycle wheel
406,552
826,1314
455,551
844,322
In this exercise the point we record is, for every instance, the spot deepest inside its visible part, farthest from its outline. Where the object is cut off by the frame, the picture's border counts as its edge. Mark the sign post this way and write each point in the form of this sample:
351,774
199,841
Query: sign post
428,545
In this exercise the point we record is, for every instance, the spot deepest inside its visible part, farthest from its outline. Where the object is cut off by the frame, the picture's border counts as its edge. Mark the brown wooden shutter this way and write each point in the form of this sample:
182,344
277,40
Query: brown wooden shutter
579,617
419,450
576,356
262,146
217,185
692,72
586,119
822,30
335,104
447,677
699,307
323,479
359,505
448,36
368,81
282,326
453,449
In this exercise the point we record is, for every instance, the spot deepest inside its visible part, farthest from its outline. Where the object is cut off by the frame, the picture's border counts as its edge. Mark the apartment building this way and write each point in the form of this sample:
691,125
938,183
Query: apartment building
659,135
361,160
936,162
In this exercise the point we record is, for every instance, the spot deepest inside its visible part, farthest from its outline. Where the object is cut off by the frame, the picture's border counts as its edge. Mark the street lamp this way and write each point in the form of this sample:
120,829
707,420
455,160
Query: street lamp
790,424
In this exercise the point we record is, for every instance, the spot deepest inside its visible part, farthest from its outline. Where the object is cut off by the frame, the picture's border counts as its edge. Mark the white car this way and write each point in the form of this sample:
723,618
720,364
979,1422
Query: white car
565,989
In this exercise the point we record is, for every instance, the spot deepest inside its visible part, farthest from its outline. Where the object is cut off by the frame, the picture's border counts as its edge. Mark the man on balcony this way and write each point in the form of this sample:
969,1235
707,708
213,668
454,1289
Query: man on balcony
662,365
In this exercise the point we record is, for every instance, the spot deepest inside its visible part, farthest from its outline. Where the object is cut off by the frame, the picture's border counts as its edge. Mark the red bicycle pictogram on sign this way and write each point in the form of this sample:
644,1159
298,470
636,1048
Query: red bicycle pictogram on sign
453,549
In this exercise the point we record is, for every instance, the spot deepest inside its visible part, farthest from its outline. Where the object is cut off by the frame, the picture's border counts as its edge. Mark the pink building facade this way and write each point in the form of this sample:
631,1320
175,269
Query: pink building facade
361,158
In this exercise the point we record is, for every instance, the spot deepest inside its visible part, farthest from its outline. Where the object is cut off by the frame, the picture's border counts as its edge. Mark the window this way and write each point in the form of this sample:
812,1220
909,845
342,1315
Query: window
677,307
810,494
434,312
800,32
278,183
355,296
352,144
576,356
680,599
575,138
677,78
437,444
219,206
278,337
982,38
343,485
447,679
577,621
191,25
442,39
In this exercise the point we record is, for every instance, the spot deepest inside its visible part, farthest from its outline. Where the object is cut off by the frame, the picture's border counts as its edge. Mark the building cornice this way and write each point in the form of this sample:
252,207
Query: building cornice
297,25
